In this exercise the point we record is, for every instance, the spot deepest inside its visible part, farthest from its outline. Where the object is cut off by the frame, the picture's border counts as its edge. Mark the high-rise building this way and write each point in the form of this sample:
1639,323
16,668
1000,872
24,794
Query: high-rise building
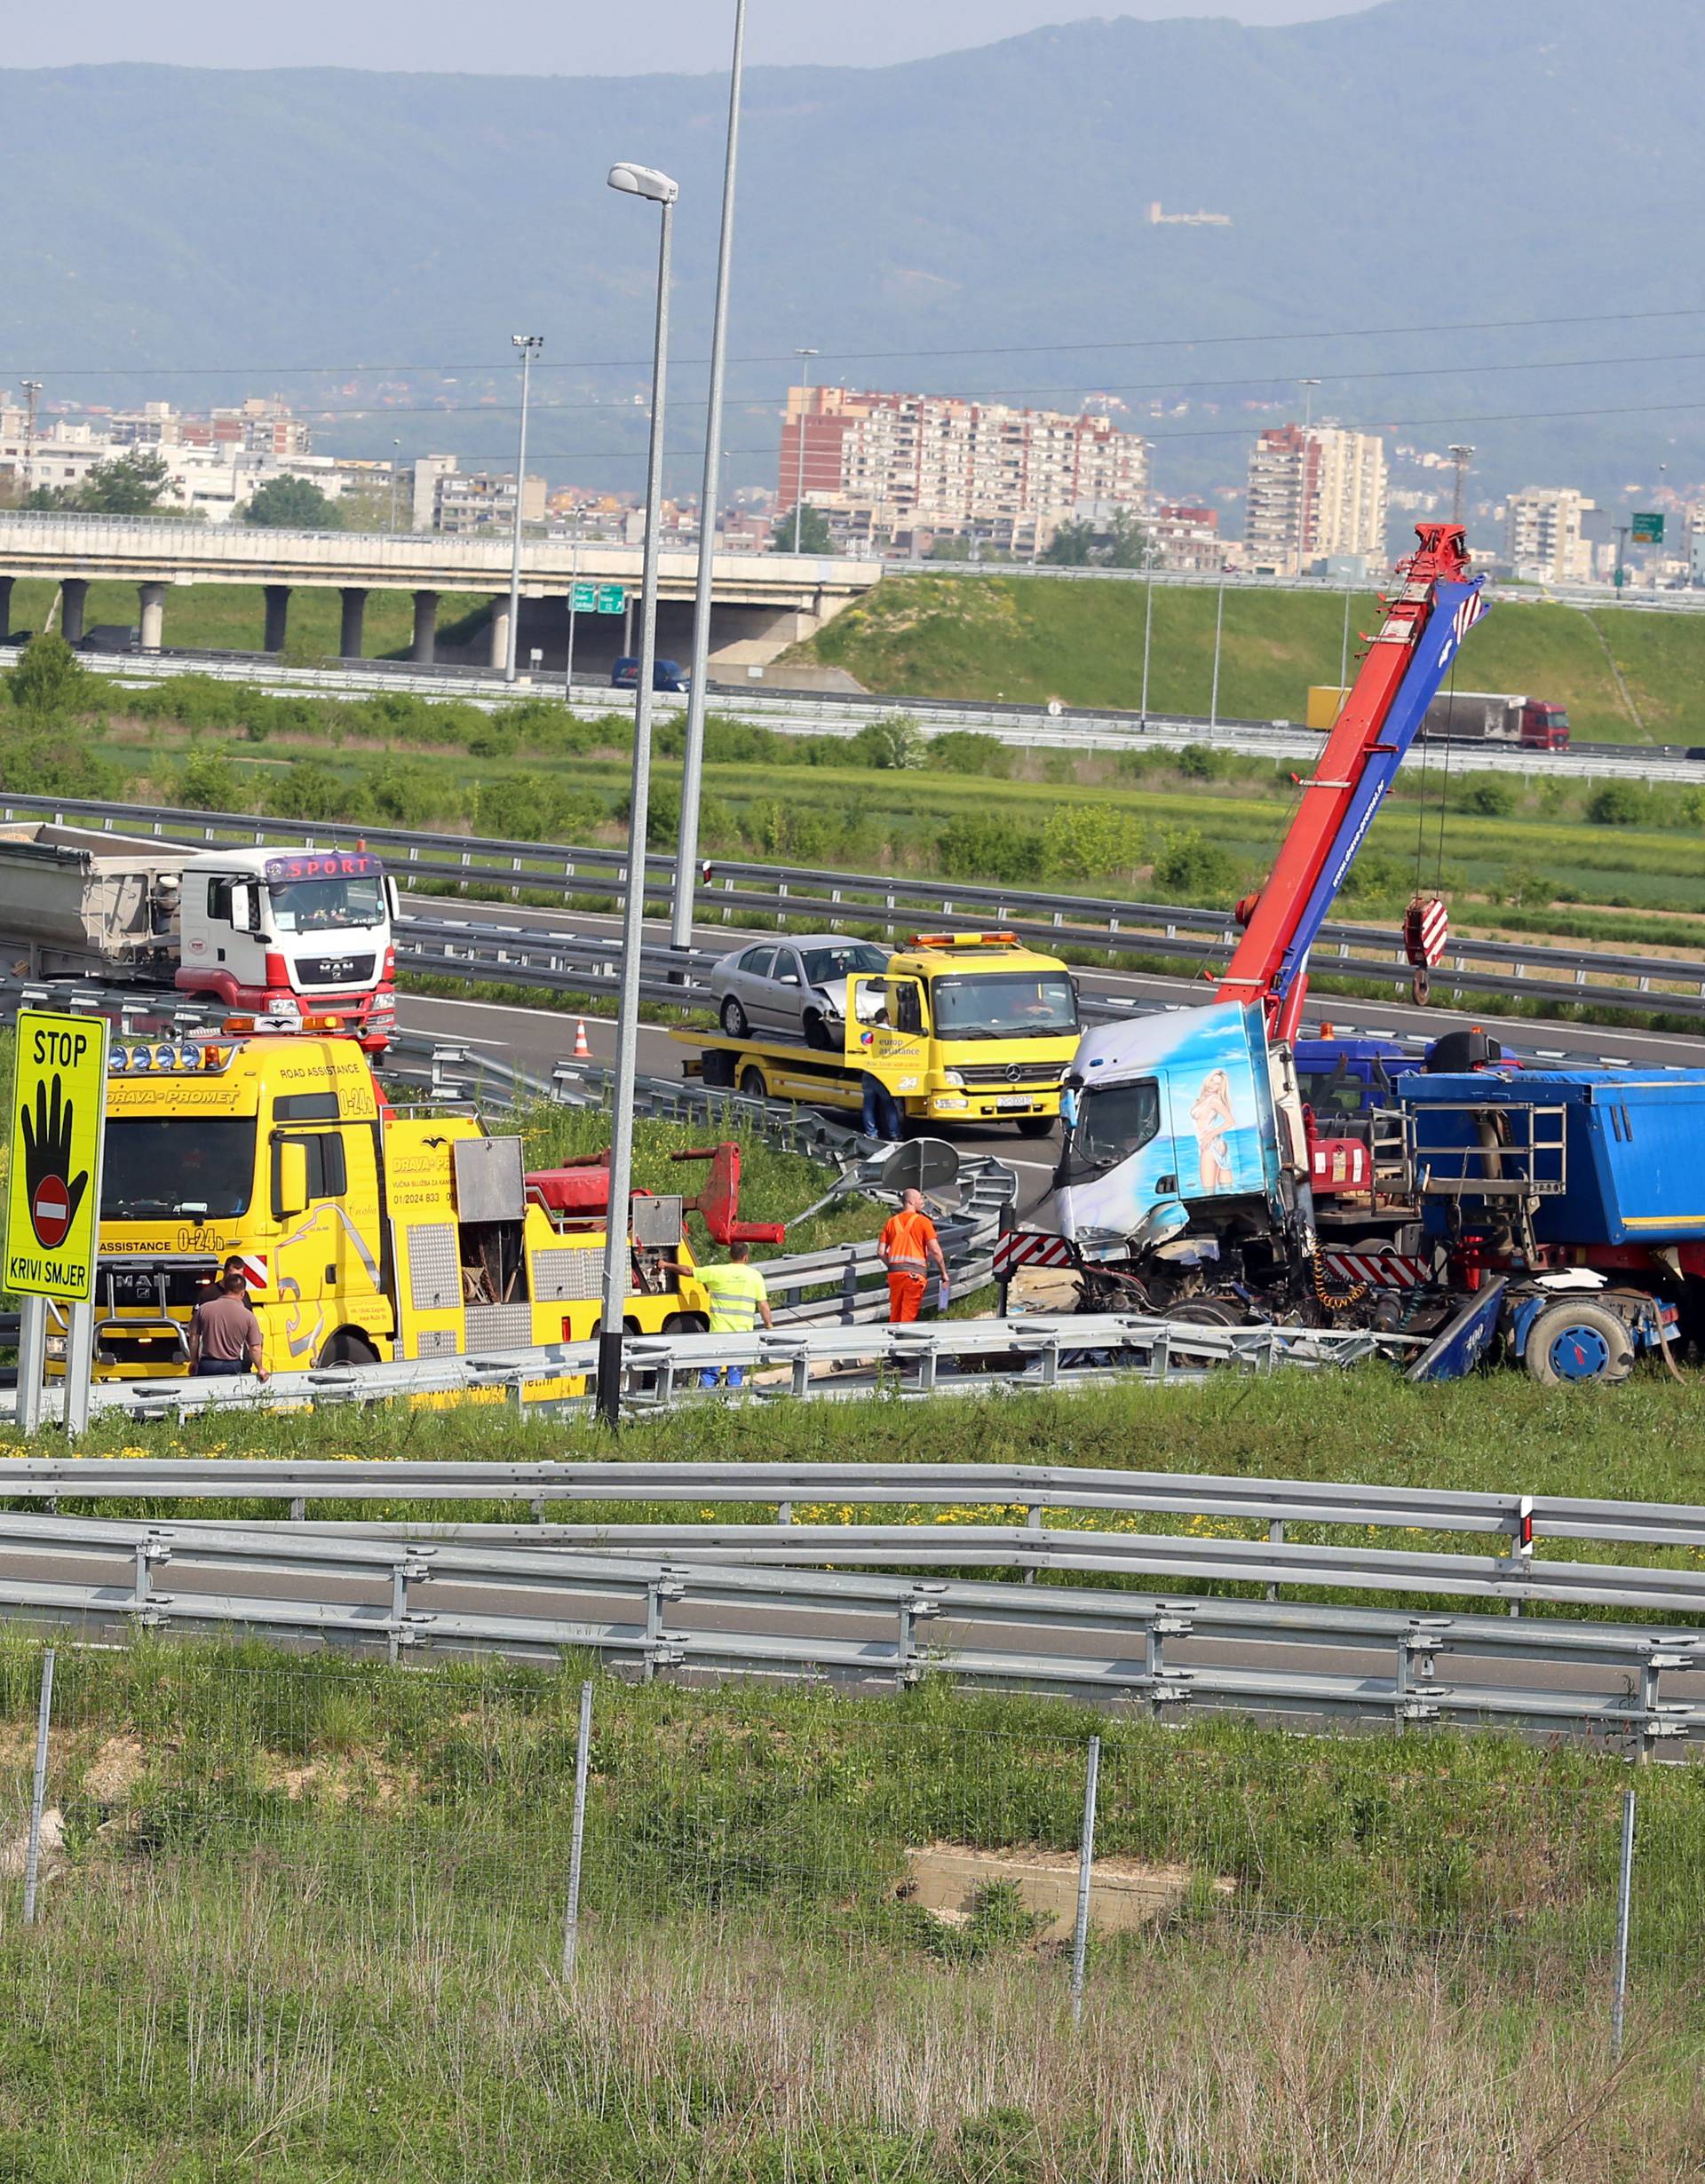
1315,493
890,468
1547,535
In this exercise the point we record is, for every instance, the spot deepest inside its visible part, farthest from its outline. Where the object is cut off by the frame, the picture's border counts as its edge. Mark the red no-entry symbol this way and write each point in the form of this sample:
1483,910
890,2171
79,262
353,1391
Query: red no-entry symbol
49,1212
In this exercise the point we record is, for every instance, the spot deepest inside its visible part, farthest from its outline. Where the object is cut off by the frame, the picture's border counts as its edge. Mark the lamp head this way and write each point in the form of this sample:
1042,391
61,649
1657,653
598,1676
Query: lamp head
644,182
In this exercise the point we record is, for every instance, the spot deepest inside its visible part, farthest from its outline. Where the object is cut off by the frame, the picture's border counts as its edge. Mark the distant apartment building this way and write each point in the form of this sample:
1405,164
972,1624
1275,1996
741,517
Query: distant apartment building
895,470
1314,493
1547,537
457,502
254,427
1186,535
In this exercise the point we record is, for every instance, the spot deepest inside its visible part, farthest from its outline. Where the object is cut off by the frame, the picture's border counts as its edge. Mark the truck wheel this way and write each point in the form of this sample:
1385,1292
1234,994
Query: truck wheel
347,1348
686,1322
1035,1125
817,1031
1579,1341
752,1084
733,1018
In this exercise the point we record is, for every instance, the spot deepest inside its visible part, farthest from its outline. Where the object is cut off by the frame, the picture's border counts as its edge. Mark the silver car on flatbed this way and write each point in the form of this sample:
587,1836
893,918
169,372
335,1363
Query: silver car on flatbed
792,986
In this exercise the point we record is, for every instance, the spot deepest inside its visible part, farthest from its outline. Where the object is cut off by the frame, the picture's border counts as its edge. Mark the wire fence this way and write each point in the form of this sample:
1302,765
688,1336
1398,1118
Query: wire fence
451,1800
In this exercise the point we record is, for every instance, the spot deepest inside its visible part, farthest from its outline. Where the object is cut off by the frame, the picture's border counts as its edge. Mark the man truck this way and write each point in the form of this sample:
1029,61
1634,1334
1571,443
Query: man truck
1469,717
275,933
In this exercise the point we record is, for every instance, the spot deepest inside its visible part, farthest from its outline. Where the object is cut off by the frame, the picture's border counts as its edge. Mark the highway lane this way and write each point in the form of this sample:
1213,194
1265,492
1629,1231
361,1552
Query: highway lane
1142,990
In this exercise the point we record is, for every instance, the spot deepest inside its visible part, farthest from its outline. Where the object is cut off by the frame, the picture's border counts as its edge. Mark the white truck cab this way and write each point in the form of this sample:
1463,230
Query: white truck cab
281,934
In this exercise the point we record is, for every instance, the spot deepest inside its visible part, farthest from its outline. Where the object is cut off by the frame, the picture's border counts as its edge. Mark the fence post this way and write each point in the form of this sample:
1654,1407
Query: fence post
1624,1904
583,1768
33,1854
1085,1868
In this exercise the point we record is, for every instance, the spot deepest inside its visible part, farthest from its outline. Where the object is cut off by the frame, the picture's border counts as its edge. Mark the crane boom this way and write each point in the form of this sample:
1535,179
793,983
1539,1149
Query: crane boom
1425,622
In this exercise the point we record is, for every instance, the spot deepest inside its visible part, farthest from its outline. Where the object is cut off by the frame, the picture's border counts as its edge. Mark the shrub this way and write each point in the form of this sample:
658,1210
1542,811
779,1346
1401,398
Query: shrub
1197,763
1617,804
1375,878
514,806
886,744
1492,796
977,847
50,681
1197,870
52,765
1081,839
309,790
208,783
963,750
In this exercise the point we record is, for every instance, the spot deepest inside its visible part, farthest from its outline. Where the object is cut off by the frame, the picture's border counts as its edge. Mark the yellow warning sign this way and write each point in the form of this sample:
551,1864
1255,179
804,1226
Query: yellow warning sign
59,1126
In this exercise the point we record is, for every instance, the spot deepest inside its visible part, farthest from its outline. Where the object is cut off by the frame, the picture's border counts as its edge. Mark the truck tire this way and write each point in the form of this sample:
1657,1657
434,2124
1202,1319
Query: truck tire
733,1018
1578,1340
347,1348
1035,1125
817,1031
752,1083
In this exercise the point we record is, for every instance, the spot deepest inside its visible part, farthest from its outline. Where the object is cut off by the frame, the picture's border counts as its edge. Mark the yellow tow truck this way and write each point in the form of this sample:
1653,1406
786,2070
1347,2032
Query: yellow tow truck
959,1027
367,1232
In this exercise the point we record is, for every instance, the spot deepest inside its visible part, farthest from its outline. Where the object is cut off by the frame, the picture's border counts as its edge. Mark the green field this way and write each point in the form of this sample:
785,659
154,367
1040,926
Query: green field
302,1920
231,618
1624,675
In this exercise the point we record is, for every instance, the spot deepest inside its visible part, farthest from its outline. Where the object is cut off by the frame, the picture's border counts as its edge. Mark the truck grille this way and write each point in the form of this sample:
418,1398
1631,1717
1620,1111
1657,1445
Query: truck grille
333,970
153,1283
1012,1075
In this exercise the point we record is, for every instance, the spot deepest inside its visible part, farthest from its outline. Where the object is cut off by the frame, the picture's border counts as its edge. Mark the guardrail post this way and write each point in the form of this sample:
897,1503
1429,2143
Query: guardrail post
849,1290
1624,1905
401,1573
583,1768
1032,1523
33,1850
1276,1535
914,1609
659,1653
1085,1873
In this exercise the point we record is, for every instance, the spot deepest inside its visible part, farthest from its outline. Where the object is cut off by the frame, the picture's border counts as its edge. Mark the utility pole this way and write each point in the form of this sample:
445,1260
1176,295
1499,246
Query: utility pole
528,344
686,848
32,396
805,356
1462,455
396,464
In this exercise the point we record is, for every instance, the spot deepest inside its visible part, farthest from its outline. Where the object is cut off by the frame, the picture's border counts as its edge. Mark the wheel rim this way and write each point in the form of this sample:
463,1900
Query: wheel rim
1578,1352
733,1020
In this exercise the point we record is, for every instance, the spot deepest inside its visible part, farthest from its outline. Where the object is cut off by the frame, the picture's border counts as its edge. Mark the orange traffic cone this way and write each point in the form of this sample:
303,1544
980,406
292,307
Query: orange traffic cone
582,1049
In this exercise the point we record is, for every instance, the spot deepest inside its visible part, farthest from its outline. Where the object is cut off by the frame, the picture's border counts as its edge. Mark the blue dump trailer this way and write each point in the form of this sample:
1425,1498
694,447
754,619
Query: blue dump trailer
1578,1193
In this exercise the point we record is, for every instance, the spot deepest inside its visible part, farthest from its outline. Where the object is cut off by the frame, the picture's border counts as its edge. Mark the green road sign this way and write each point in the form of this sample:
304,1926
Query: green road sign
584,598
611,598
1649,528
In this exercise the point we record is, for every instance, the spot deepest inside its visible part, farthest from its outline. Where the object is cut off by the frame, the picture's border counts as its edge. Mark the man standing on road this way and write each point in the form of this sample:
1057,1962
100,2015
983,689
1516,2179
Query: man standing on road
224,1337
908,1243
739,1300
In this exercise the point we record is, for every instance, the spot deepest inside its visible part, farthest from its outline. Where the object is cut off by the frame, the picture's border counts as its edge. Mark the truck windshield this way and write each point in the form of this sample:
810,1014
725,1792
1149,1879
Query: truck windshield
1113,1123
319,906
167,1164
1015,1005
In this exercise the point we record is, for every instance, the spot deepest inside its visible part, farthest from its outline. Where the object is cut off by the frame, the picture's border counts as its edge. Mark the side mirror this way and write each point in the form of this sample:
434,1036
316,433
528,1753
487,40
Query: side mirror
1164,1220
290,1189
393,898
245,908
789,978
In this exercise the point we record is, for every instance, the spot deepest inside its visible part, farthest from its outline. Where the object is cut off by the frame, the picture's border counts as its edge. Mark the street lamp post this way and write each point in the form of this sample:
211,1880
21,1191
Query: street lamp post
528,344
660,190
805,356
686,850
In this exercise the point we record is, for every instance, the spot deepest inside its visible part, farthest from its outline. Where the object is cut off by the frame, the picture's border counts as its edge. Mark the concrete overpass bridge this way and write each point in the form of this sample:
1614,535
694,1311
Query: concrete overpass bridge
761,603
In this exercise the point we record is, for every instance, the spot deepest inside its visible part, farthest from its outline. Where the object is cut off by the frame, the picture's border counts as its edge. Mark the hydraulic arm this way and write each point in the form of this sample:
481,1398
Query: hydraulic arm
1426,620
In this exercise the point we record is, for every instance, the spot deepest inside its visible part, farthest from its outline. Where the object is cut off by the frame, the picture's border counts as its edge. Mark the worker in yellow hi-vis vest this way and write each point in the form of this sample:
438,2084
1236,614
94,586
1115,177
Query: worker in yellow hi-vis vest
739,1300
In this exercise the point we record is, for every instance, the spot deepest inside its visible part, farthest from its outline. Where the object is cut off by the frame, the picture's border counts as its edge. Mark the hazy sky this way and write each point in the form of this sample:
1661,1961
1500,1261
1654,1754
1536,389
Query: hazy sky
597,37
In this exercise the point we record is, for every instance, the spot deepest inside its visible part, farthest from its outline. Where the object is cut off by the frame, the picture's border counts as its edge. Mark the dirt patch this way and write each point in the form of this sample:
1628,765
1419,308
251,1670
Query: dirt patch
14,1854
115,1771
1125,1894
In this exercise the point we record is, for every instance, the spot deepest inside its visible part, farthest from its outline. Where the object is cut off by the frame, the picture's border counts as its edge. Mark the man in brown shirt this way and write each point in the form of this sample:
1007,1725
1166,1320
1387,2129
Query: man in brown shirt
224,1337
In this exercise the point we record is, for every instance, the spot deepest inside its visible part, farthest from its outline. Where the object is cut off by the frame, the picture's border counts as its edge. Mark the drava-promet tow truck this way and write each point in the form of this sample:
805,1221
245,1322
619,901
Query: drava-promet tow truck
960,1027
367,1232
1555,1214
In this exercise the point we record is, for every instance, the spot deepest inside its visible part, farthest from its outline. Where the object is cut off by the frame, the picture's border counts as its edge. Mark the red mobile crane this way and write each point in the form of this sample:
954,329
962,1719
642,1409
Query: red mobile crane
1426,621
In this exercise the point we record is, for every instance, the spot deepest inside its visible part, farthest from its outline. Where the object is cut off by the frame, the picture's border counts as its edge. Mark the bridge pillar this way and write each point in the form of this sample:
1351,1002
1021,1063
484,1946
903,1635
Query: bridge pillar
153,599
278,617
73,593
349,633
425,628
500,632
5,608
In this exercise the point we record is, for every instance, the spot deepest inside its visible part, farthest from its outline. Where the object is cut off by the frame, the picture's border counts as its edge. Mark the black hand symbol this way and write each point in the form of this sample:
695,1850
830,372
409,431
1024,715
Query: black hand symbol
47,1150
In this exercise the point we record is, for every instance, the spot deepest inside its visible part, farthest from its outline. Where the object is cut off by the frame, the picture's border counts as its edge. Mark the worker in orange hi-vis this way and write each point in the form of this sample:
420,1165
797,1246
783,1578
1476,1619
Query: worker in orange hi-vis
908,1243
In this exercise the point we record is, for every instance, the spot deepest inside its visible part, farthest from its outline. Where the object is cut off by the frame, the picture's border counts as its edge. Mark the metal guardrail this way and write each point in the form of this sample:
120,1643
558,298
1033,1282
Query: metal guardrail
657,1617
1523,1520
803,1362
1510,969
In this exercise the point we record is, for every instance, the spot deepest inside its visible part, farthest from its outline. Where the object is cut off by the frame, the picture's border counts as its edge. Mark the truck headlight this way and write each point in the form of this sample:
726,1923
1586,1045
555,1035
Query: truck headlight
954,1077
